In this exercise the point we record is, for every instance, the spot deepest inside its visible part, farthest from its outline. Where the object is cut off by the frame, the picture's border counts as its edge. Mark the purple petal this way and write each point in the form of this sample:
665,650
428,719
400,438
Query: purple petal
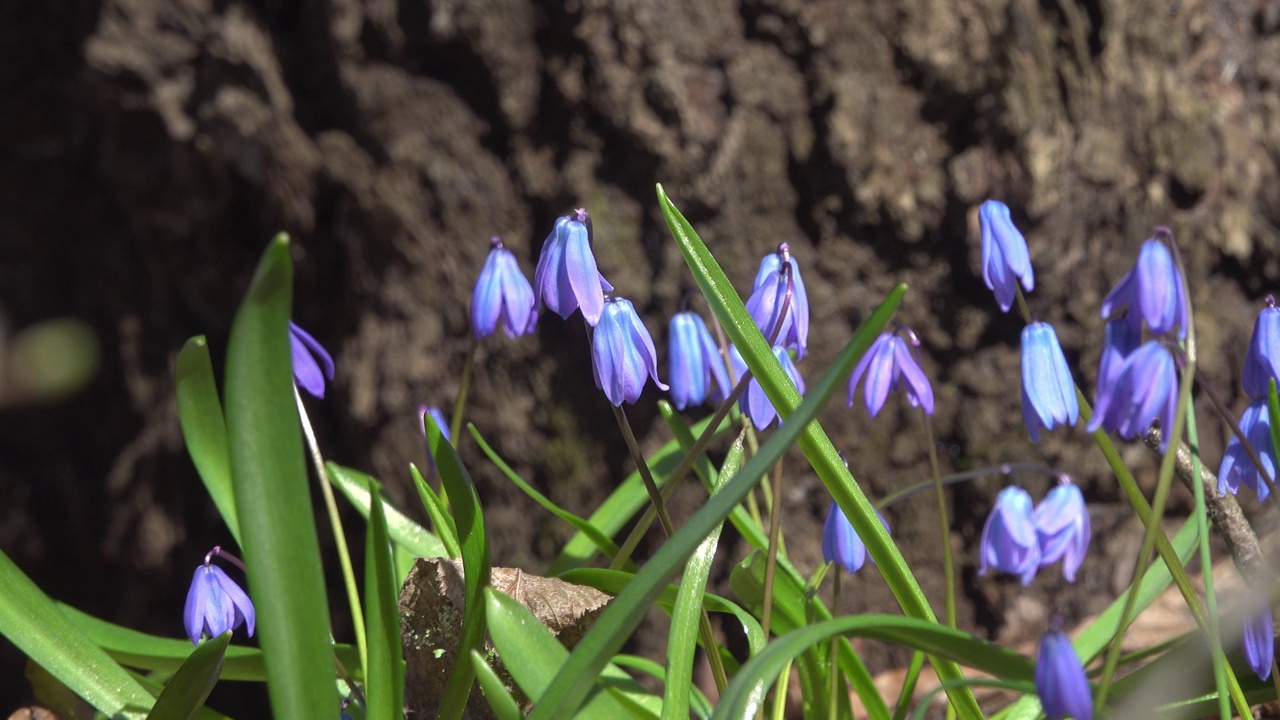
919,391
880,375
237,598
581,275
307,373
486,299
1060,679
1260,642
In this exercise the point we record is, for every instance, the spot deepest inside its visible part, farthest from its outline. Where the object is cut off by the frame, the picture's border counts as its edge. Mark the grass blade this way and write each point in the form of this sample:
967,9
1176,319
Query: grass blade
186,691
404,532
384,688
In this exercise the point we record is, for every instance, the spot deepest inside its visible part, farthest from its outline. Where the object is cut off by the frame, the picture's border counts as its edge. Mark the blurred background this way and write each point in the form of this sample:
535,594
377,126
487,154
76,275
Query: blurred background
150,148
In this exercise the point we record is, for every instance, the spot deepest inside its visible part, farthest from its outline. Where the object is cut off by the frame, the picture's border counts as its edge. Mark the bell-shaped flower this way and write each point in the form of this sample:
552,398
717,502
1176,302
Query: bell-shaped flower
312,364
502,293
697,370
1260,641
1048,392
622,353
1009,543
769,295
1119,343
1152,292
1145,389
1005,259
840,542
888,365
1237,467
1062,528
566,277
1263,360
1061,682
215,604
754,402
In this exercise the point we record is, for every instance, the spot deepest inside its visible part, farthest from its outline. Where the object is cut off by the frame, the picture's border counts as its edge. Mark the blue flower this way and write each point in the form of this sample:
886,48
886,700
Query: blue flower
840,542
1151,291
567,277
1060,680
1260,641
1009,543
1263,361
1237,468
888,365
215,604
768,293
695,362
1005,259
312,364
1120,342
622,353
502,293
1048,392
1062,528
754,402
1144,389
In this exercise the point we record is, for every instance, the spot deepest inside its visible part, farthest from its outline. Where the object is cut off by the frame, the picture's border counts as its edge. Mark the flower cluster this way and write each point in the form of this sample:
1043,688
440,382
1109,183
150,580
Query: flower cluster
1019,539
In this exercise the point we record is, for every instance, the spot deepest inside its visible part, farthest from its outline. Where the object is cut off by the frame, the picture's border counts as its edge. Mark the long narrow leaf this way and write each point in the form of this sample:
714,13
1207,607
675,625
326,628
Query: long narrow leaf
203,428
404,532
31,621
504,706
273,502
384,689
438,513
187,690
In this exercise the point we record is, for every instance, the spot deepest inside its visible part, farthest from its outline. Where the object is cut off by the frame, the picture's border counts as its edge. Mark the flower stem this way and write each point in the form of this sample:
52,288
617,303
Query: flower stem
948,562
771,557
339,537
460,404
833,665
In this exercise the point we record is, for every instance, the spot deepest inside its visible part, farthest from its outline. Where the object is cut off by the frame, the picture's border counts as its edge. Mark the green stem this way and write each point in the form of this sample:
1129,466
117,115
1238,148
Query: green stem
1206,562
948,562
339,536
771,557
834,666
459,405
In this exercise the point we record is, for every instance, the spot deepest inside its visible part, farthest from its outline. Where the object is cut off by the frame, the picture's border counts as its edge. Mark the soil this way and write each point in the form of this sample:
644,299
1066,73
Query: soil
148,150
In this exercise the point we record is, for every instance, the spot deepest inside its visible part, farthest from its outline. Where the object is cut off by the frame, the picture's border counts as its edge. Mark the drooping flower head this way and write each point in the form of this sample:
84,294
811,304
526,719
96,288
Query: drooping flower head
697,370
1063,528
312,364
754,402
1145,389
1061,682
887,366
1120,341
1263,360
215,603
566,277
1237,467
1009,543
1152,291
840,542
502,293
622,353
1048,392
1005,259
1260,641
769,296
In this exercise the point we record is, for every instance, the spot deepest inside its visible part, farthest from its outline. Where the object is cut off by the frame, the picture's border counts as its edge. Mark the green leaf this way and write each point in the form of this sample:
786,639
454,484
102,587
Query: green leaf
404,532
504,706
701,707
203,428
273,502
439,514
745,693
186,691
469,518
31,621
384,690
813,441
620,618
602,543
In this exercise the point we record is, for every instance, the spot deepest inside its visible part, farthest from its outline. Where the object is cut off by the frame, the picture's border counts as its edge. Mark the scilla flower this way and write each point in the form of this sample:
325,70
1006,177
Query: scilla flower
502,293
566,277
696,370
1151,291
1237,467
1145,388
1263,360
1009,543
754,402
312,364
215,603
840,542
1005,259
1048,392
1260,641
888,365
622,353
768,294
1060,680
1119,343
1062,528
